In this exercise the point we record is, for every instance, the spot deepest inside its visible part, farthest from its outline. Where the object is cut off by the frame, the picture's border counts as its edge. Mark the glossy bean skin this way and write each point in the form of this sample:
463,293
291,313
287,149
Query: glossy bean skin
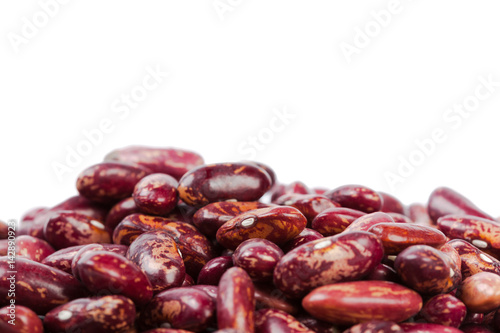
62,258
188,281
136,224
33,248
475,329
483,233
269,297
267,169
365,222
109,182
67,228
297,187
82,205
114,248
213,270
344,257
444,201
383,273
105,273
172,161
399,218
335,220
185,308
156,194
481,292
211,291
307,235
119,211
308,204
474,260
38,287
223,181
31,214
276,224
276,321
427,328
157,255
316,325
257,257
236,301
426,270
350,303
375,326
444,309
356,197
391,204
418,214
398,236
103,314
26,321
208,219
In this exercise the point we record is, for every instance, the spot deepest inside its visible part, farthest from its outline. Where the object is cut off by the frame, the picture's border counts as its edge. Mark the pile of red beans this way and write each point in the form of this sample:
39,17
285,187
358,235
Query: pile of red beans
157,241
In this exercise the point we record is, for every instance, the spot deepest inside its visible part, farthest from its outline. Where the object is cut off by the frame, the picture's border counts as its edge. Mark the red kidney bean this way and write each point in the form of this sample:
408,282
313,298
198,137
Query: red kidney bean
156,194
444,309
24,319
475,329
223,181
182,308
35,227
474,260
81,205
316,325
276,224
157,255
456,262
67,228
212,271
92,315
383,273
38,287
212,291
114,248
375,326
427,328
32,248
308,204
119,211
335,220
344,257
481,292
349,303
276,321
418,214
307,235
267,169
398,236
257,257
444,201
4,230
62,258
105,273
172,161
108,182
295,187
483,233
269,297
188,281
426,270
399,218
136,224
474,318
30,215
365,222
210,218
356,197
236,301
390,204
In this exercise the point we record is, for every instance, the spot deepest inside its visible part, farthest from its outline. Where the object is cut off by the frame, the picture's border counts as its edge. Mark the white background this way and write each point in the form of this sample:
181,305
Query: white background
231,67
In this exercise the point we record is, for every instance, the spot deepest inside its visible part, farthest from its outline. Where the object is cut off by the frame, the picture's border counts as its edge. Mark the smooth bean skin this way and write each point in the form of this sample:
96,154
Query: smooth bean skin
26,321
276,321
211,291
444,309
316,325
82,205
171,161
308,204
365,222
333,221
214,269
391,204
38,287
483,233
375,326
112,313
295,187
349,303
474,260
445,201
157,255
267,169
356,197
257,257
208,219
418,214
480,292
119,211
223,181
398,236
344,257
136,224
114,248
105,273
399,218
307,235
426,270
33,248
62,258
156,194
427,328
236,301
67,228
109,182
277,224
383,273
185,308
475,329
268,297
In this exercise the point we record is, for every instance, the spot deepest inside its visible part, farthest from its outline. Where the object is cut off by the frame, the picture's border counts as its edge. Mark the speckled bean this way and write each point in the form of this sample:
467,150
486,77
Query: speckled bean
276,321
335,220
427,328
481,292
32,248
257,257
24,319
365,222
156,194
307,235
356,197
119,211
391,204
214,269
444,309
473,259
375,326
308,204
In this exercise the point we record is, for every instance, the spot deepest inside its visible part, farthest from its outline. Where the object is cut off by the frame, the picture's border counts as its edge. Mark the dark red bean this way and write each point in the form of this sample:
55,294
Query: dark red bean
307,235
481,292
444,309
295,187
30,215
119,211
188,281
19,319
356,197
267,169
257,257
316,325
399,218
390,204
223,181
62,258
276,321
269,297
474,260
365,222
375,326
156,194
214,269
308,204
383,273
32,248
114,248
418,214
427,328
335,220
212,291
81,205
475,329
